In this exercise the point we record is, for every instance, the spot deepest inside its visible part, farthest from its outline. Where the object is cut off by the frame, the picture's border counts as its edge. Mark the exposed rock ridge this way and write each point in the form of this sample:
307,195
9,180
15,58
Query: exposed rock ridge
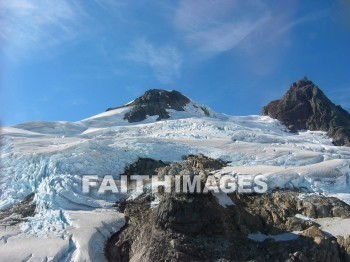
156,102
305,106
195,227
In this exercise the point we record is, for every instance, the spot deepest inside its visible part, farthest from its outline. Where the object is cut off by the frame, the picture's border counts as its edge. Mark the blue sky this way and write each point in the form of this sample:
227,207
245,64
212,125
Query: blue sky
68,60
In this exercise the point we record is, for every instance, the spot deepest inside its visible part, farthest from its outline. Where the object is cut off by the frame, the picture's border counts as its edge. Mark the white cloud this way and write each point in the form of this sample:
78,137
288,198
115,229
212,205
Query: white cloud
258,33
165,61
304,19
197,14
224,37
30,26
218,26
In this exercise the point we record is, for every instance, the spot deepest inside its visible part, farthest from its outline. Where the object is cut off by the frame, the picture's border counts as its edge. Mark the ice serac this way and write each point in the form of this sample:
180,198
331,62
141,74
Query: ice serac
157,102
306,107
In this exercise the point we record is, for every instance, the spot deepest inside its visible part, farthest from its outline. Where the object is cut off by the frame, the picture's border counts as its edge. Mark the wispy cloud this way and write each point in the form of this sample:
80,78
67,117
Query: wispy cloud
112,4
255,32
198,15
307,18
343,12
28,26
218,26
165,61
224,37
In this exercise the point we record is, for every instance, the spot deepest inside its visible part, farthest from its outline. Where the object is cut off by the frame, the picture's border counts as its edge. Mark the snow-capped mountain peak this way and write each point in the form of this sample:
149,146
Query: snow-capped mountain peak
164,104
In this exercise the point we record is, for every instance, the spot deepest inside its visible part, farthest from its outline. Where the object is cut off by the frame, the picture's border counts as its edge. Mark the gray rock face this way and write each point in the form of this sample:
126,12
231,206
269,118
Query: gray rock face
156,102
18,213
278,210
144,167
344,242
205,163
305,106
195,227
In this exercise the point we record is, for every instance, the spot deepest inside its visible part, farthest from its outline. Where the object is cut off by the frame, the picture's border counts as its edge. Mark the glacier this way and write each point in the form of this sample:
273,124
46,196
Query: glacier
50,158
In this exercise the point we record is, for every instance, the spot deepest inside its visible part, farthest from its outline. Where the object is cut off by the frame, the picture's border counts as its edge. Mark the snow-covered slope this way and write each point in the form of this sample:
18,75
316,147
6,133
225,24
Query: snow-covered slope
49,159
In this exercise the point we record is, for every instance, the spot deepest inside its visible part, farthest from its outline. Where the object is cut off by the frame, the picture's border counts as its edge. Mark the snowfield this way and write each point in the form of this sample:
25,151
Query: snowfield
49,159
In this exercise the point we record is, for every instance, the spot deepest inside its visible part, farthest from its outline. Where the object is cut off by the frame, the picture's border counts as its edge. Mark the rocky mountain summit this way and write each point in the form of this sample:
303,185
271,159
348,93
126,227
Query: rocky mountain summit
157,102
306,107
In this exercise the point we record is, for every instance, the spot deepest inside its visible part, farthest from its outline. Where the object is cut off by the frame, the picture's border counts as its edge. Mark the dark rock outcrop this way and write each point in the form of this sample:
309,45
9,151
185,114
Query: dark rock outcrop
278,209
205,163
195,227
156,102
344,242
19,212
305,106
144,167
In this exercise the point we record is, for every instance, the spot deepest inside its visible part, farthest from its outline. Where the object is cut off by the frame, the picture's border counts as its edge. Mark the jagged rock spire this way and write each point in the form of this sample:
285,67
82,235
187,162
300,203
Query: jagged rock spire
305,106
